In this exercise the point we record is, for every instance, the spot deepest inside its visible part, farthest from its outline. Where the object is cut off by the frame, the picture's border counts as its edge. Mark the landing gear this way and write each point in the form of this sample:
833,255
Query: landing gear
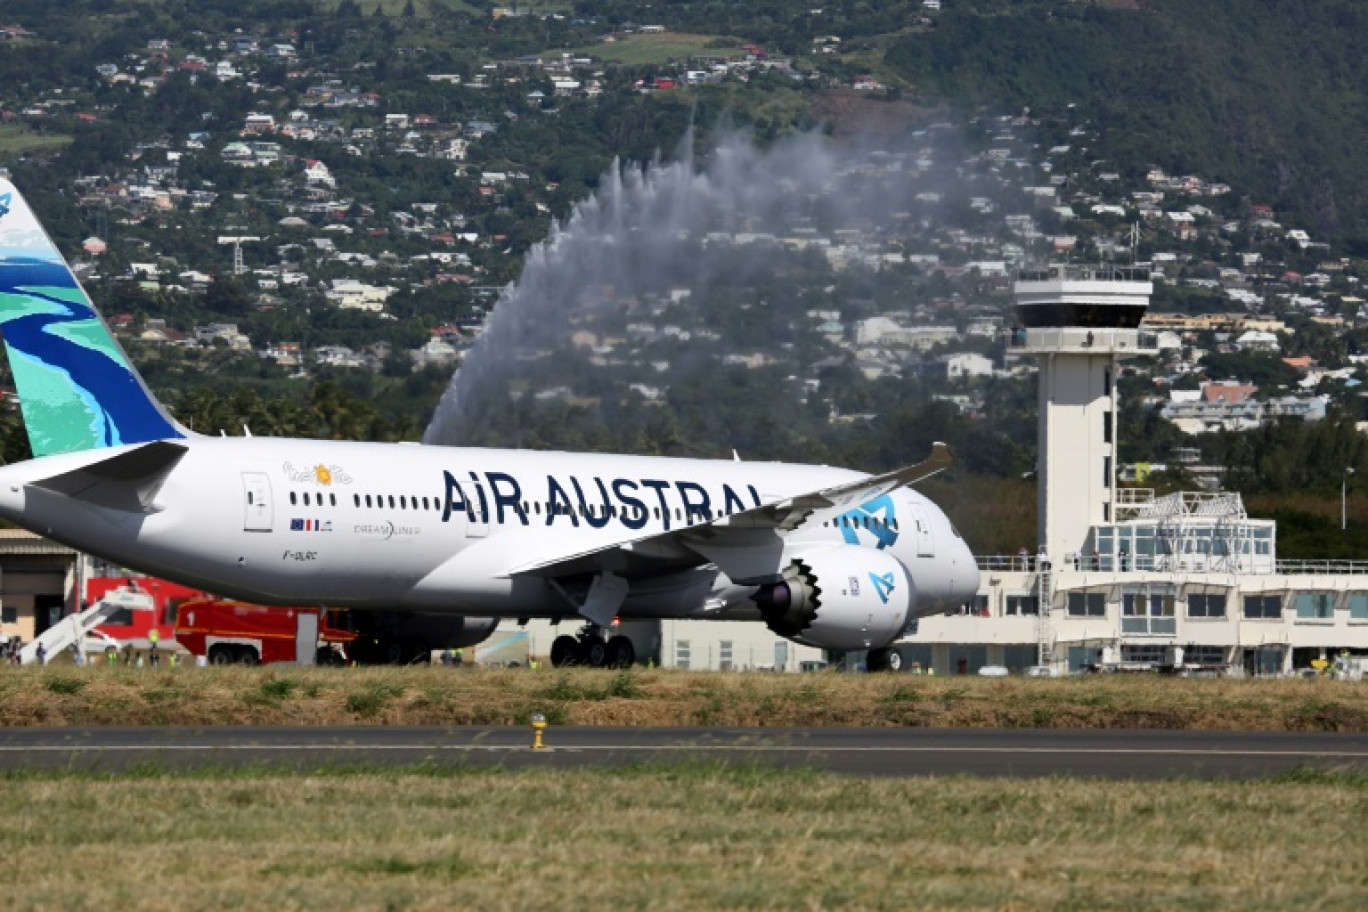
588,647
564,651
621,652
886,659
595,652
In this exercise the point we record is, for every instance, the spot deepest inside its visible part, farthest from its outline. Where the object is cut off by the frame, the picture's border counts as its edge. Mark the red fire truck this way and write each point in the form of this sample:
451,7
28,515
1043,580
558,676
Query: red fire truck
139,617
228,632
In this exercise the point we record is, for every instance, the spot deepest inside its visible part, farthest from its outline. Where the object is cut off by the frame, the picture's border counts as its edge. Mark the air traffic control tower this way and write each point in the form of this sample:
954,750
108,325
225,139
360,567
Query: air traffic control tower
1080,322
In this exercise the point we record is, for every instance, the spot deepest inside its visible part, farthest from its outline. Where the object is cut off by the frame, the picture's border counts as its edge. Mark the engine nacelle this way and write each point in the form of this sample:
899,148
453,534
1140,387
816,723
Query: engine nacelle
840,597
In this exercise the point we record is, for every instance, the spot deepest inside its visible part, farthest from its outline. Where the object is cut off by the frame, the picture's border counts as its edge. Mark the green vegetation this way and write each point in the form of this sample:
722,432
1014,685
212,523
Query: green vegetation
100,695
1256,93
639,50
687,836
16,139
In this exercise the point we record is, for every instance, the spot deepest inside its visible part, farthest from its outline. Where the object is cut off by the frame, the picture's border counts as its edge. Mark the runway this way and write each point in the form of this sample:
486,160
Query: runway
1112,754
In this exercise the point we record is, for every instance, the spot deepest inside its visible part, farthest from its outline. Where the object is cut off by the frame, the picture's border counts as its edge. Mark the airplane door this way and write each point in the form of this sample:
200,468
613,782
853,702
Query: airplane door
256,489
926,545
477,510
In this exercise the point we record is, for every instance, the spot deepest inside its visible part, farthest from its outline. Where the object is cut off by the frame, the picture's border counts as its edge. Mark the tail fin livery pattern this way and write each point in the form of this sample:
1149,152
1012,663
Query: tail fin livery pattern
77,389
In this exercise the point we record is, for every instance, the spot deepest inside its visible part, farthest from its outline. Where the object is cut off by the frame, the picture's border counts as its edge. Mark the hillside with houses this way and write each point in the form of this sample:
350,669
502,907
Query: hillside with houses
295,197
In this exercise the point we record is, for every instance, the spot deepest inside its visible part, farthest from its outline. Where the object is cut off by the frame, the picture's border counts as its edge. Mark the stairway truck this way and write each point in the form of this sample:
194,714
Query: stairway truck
235,633
144,604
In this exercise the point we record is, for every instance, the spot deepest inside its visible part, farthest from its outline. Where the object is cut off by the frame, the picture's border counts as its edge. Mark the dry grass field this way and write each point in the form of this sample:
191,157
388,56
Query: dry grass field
430,695
677,838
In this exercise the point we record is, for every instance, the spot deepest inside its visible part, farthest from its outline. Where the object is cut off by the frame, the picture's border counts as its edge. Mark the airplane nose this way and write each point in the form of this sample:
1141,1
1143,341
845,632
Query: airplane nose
966,582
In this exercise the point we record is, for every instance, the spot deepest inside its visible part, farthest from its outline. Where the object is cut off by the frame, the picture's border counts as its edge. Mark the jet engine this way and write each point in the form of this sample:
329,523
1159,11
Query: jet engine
840,597
394,637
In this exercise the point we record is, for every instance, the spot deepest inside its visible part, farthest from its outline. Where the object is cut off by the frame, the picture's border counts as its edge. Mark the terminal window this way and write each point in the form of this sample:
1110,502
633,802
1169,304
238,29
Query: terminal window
9,614
1358,606
1263,606
1023,604
1147,610
682,654
1315,606
1204,655
1153,655
1087,604
1206,604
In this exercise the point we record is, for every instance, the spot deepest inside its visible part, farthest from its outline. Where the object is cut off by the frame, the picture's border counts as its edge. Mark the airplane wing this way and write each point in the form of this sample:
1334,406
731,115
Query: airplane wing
746,545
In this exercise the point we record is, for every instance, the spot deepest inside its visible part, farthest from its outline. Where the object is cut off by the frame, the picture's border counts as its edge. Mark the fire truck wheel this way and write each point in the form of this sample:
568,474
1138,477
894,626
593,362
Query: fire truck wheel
621,652
249,656
221,655
564,651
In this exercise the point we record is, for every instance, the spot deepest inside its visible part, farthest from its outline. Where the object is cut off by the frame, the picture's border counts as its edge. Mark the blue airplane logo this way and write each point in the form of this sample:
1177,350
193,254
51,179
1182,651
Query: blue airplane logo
883,585
884,530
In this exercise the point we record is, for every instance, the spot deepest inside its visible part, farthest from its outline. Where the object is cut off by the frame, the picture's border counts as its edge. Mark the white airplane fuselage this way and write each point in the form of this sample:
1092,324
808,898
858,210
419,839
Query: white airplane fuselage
365,525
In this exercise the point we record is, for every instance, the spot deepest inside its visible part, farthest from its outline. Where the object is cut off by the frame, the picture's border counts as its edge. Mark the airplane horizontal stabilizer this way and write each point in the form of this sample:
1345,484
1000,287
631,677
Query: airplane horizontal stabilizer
128,481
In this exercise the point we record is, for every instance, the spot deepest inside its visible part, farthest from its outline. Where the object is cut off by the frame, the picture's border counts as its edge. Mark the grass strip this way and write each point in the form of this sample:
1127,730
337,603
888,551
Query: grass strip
432,695
677,836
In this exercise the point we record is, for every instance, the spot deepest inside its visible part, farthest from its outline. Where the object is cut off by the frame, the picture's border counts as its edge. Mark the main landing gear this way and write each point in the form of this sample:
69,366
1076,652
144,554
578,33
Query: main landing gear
887,659
592,647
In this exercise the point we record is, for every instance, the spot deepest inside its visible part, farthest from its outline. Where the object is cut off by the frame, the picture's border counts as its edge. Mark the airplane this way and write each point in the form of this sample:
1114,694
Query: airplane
434,543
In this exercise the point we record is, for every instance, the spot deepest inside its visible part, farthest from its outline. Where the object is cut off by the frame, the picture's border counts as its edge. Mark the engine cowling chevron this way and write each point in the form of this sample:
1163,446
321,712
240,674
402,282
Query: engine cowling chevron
840,597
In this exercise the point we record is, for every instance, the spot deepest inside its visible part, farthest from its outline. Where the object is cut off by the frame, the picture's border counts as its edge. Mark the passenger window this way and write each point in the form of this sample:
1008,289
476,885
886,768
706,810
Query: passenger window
356,500
292,498
425,503
332,500
391,501
368,500
403,502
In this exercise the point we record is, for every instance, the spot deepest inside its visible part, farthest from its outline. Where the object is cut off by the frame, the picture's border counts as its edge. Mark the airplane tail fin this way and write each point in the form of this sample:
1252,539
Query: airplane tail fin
77,388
